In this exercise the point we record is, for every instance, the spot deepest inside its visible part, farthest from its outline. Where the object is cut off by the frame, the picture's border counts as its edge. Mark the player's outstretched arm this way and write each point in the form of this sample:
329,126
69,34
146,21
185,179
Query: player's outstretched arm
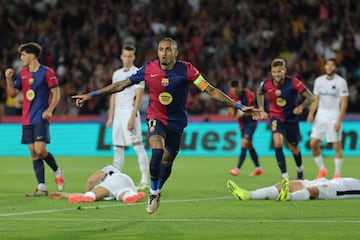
220,96
112,88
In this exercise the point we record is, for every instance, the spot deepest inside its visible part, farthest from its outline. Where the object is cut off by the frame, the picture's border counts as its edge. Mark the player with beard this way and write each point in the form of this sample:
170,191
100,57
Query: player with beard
331,100
282,93
168,81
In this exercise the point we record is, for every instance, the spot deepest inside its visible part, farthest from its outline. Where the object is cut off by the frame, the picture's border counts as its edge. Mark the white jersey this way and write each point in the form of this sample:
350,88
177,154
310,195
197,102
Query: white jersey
124,100
329,92
336,188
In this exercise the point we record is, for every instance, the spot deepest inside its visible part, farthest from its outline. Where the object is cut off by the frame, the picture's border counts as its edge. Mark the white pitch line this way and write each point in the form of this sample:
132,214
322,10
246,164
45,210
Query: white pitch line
195,220
107,206
5,216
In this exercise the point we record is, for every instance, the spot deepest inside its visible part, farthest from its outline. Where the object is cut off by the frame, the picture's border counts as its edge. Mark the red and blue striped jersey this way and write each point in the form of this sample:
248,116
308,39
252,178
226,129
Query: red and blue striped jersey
168,90
247,97
283,98
36,88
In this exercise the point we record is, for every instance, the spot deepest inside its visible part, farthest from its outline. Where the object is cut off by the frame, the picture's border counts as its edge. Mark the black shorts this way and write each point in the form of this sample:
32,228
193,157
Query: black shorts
38,132
172,138
290,130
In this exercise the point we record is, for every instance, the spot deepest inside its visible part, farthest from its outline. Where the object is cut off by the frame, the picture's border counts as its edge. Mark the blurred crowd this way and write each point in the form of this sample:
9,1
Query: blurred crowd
226,40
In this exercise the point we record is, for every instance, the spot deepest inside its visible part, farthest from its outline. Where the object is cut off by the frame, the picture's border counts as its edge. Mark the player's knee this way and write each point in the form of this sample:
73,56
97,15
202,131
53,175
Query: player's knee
314,144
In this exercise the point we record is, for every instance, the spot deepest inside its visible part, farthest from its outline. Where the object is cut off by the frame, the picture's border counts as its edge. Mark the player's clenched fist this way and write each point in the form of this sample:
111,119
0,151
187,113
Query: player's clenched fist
9,73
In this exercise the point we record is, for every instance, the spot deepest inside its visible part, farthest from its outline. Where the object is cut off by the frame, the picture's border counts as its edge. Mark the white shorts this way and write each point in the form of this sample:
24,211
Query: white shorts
122,136
117,184
339,188
321,130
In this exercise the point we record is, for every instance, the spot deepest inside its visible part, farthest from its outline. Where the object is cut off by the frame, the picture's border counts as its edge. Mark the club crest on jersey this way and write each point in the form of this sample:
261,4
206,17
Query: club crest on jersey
165,82
165,98
280,102
278,92
30,94
31,81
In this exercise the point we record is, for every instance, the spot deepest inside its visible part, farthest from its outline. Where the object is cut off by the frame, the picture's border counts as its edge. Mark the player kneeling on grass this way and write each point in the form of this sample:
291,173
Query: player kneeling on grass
322,188
112,185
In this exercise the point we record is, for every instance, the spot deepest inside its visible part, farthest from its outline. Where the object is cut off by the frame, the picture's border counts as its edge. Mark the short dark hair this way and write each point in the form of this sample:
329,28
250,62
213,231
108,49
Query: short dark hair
129,47
31,47
278,62
235,83
332,60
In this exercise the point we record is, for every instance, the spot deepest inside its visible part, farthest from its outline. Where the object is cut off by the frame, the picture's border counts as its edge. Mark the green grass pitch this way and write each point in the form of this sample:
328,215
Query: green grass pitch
195,204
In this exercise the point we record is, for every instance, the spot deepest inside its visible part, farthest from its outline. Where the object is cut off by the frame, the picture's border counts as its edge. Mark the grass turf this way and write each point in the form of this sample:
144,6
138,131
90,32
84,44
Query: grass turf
195,204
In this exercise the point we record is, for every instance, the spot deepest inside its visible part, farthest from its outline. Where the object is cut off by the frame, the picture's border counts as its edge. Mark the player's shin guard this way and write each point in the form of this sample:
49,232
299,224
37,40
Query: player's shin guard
39,170
164,174
298,159
254,157
155,165
241,158
280,157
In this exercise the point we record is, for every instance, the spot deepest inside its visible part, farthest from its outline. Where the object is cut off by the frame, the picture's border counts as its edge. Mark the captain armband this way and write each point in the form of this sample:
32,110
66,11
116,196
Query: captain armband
201,83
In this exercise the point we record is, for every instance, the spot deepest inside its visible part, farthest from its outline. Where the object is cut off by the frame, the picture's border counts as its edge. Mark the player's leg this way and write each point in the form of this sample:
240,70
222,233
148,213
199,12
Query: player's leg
156,138
241,158
248,134
39,171
172,146
42,138
264,193
293,137
279,154
278,131
254,156
120,139
38,164
296,191
317,133
335,137
143,161
338,160
143,165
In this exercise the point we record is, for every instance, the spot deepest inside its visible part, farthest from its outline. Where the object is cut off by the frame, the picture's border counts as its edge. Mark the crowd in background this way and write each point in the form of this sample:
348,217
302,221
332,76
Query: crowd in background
226,40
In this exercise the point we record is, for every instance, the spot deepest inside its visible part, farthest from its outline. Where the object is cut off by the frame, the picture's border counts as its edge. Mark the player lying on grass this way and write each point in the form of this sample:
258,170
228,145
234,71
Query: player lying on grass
322,188
112,185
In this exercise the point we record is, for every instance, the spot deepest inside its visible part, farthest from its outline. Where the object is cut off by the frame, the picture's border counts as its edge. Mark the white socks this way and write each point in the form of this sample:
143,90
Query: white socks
143,162
41,187
264,193
319,162
338,165
119,157
300,195
90,194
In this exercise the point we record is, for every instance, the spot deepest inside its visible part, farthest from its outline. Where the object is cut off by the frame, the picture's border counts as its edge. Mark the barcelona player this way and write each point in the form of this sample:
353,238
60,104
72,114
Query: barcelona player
247,127
40,89
282,93
168,81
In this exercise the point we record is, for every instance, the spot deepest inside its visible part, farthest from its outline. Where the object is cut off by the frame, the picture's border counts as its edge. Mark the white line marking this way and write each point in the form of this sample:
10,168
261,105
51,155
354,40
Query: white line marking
107,206
5,216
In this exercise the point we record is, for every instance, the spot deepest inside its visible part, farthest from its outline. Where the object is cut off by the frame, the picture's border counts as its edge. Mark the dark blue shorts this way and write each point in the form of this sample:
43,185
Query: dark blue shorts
248,130
290,130
172,138
38,132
